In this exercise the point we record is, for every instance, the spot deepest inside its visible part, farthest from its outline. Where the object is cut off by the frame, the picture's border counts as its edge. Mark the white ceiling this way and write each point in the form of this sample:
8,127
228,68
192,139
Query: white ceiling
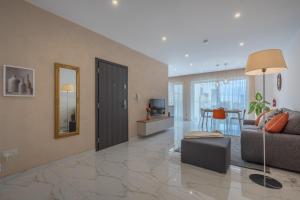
140,24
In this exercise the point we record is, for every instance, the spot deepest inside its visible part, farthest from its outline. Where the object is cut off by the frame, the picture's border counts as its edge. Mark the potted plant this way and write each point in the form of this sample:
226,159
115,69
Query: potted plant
258,106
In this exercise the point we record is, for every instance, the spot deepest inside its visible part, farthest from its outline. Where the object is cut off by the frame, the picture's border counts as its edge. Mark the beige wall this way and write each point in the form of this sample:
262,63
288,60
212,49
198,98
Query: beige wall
186,81
289,96
34,38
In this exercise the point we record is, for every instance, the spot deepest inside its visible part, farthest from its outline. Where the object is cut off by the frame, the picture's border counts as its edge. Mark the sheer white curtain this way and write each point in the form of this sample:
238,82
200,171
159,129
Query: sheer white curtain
176,99
230,94
233,94
204,95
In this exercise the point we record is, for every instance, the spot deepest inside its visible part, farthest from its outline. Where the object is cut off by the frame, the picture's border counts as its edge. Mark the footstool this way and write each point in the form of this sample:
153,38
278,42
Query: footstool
209,153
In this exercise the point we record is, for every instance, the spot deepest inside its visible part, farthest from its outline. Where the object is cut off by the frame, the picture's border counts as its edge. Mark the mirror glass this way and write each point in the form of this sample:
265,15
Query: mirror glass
67,100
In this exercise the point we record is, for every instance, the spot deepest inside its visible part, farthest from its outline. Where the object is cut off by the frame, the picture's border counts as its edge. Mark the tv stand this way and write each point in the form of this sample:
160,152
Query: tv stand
154,125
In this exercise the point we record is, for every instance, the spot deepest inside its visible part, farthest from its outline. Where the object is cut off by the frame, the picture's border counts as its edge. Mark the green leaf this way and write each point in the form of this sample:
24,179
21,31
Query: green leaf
258,96
252,107
258,110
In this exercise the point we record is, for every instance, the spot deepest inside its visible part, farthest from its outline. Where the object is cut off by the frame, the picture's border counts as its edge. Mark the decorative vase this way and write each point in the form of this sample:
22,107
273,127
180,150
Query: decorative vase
28,85
12,84
22,87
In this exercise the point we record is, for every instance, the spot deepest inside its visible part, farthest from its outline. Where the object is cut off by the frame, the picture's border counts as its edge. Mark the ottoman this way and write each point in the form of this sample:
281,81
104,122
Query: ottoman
209,153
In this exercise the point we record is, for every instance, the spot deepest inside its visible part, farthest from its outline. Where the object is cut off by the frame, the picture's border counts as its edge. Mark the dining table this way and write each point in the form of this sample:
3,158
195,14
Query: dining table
237,112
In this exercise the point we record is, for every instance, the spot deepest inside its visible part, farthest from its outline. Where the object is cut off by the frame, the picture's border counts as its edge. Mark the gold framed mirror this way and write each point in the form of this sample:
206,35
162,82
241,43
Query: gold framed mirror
67,100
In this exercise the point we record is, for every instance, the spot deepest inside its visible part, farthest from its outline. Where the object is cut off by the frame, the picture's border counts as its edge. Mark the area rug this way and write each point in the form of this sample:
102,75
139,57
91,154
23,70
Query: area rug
236,158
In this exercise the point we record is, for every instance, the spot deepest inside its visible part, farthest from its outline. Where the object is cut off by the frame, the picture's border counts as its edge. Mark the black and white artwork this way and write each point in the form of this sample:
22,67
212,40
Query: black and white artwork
18,81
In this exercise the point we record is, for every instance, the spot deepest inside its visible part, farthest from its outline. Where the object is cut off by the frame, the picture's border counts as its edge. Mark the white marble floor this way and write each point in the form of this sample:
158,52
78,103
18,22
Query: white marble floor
142,169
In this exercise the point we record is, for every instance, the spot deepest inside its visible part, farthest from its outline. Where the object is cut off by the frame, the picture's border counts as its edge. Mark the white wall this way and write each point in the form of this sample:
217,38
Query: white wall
270,87
289,96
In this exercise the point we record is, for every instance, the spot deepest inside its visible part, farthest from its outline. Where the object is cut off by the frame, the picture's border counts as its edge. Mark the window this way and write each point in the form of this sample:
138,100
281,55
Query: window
171,94
231,94
176,99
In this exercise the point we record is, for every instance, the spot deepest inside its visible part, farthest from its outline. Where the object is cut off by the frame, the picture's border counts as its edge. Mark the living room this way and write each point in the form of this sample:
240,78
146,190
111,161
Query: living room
116,99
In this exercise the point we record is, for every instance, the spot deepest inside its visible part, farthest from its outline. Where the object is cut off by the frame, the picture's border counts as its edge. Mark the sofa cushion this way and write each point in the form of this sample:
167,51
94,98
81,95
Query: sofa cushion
268,116
250,127
277,123
249,122
293,125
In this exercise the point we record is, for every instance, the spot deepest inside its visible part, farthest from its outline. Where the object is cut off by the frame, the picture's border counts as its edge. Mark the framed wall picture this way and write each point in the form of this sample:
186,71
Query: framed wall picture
18,81
279,82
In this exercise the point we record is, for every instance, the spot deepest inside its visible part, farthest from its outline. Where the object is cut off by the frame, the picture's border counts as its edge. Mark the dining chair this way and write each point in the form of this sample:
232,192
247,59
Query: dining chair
203,115
220,114
236,118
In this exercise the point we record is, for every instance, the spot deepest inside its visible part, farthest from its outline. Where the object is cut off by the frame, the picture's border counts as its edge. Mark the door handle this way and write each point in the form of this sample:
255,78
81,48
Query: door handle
125,104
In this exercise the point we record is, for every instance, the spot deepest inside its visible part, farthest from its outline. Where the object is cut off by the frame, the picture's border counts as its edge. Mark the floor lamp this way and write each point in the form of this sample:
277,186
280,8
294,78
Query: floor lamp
261,63
67,88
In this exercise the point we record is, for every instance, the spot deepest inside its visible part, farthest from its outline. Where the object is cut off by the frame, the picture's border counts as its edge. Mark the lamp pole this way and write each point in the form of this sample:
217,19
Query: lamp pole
261,63
264,118
68,110
265,180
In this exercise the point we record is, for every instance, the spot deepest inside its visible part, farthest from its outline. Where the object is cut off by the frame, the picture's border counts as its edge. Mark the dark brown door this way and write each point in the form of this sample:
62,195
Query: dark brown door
111,104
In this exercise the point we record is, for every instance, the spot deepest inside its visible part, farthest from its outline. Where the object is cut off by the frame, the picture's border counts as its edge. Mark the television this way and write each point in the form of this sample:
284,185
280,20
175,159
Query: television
157,106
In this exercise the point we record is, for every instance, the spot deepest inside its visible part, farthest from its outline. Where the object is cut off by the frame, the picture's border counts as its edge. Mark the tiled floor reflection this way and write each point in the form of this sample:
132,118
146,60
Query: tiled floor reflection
142,169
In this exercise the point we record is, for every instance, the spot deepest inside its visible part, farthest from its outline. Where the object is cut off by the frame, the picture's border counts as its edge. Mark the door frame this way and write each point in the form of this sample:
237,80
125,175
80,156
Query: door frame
97,98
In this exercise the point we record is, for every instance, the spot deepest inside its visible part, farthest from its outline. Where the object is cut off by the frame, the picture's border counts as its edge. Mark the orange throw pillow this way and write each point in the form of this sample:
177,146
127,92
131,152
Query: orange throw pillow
277,123
258,119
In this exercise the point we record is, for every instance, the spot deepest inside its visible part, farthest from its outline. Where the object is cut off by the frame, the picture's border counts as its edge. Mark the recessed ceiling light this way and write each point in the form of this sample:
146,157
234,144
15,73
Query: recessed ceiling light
186,55
164,38
242,44
115,2
191,64
237,15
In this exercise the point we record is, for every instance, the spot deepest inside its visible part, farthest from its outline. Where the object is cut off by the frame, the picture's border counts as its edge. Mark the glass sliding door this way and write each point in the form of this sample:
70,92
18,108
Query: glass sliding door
176,99
204,95
233,94
230,94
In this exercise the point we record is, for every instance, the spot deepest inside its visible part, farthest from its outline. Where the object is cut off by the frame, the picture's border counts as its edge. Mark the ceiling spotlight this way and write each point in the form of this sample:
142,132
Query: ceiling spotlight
164,38
205,41
191,64
186,55
237,15
115,2
242,44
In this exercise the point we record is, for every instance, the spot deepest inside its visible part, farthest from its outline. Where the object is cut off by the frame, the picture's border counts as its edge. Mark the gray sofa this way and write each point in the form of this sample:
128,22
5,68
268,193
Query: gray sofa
282,149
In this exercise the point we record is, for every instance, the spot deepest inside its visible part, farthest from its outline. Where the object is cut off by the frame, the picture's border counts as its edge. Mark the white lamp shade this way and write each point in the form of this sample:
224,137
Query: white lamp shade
67,88
269,61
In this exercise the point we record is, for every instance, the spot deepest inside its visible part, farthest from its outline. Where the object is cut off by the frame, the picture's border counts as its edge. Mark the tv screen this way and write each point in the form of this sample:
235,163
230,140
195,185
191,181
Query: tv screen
157,103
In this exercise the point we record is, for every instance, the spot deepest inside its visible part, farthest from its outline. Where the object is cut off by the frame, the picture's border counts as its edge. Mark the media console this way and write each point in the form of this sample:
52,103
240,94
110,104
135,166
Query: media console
154,125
